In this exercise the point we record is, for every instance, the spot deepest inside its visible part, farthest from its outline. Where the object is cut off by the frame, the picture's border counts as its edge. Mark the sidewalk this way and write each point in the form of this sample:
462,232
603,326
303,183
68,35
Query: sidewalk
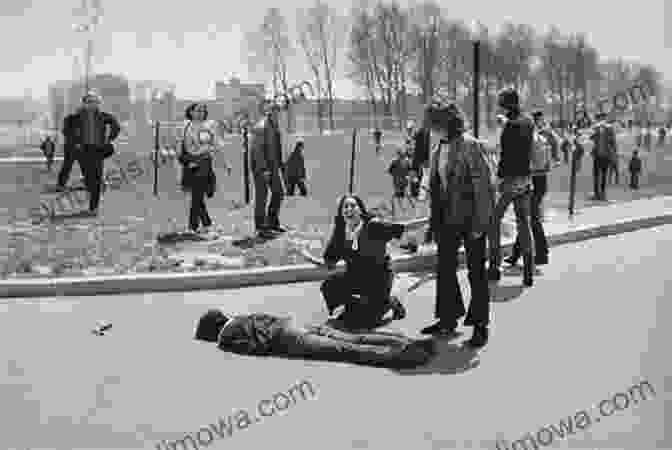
590,223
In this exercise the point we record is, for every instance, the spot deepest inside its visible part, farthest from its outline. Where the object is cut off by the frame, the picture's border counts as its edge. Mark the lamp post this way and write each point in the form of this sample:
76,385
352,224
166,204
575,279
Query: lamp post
88,28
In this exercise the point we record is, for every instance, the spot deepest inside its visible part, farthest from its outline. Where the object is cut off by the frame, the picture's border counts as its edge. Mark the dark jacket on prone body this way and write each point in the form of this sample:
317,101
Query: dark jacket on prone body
253,334
516,144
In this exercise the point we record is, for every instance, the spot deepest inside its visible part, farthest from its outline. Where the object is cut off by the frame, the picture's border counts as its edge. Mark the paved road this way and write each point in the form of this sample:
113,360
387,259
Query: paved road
587,331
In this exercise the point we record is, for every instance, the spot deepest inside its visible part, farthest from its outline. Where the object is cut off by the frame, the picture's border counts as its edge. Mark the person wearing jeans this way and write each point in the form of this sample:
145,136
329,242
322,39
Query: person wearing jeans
539,190
516,184
267,335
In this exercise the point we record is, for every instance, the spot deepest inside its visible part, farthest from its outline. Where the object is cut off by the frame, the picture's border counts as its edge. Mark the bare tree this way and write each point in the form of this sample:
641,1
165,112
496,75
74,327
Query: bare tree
269,49
361,55
321,31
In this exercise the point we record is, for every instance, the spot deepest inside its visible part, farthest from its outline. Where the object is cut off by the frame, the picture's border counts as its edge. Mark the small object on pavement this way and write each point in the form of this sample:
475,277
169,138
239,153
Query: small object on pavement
101,327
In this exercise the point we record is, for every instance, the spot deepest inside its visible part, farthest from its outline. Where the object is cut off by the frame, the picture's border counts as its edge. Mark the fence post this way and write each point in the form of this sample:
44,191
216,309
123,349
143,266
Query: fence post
156,158
572,184
352,160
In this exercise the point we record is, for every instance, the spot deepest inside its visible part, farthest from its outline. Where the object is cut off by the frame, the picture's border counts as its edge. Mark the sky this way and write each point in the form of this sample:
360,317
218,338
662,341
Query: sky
193,44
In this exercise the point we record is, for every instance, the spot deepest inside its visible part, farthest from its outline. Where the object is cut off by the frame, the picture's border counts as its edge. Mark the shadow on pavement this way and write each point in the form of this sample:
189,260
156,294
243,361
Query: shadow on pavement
58,218
503,294
450,359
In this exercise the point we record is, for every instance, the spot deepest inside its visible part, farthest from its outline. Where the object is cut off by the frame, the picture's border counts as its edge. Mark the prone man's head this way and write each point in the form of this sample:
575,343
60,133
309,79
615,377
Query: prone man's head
209,325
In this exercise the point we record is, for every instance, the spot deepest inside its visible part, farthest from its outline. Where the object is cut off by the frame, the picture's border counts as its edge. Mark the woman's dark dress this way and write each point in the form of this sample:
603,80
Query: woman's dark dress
367,272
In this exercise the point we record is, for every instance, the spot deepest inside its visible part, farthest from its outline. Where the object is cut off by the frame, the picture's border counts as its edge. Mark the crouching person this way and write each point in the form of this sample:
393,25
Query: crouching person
365,287
266,335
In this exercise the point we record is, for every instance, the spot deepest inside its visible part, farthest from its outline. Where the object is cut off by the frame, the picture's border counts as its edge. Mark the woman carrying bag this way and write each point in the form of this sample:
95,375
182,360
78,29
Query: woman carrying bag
200,141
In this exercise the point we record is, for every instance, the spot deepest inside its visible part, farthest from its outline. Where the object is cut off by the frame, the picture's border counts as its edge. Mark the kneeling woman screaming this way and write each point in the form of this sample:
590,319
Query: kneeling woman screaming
364,289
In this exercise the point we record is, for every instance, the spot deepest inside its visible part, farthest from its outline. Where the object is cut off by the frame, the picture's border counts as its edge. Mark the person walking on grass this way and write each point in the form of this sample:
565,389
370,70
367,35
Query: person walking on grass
48,148
200,140
295,170
266,164
462,201
91,132
400,170
635,169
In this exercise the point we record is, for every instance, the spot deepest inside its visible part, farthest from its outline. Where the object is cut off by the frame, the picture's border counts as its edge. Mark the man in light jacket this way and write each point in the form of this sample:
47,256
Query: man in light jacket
462,200
266,166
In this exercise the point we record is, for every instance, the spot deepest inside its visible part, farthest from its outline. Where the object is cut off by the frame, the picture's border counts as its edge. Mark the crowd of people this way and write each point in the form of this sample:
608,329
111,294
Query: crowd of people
468,197
469,192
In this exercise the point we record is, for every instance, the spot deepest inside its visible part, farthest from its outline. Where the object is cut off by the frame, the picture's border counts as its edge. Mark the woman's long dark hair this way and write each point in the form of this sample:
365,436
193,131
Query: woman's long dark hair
189,112
339,220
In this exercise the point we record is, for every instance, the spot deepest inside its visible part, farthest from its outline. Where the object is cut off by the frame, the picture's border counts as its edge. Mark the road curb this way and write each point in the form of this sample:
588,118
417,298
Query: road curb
233,279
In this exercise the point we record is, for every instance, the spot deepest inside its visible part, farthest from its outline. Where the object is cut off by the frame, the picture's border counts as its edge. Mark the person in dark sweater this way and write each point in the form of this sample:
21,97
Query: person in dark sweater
365,286
267,335
516,184
295,170
635,169
48,148
92,132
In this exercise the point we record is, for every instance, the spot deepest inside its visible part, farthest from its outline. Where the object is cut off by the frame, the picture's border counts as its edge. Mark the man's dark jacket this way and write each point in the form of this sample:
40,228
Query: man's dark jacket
73,129
516,143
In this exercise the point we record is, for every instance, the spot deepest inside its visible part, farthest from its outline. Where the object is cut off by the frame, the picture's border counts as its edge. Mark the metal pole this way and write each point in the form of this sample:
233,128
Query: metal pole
572,182
88,64
477,79
156,158
246,162
352,161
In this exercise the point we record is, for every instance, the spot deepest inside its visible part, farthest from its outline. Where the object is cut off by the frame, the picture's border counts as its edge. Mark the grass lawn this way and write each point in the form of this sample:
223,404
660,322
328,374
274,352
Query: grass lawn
123,237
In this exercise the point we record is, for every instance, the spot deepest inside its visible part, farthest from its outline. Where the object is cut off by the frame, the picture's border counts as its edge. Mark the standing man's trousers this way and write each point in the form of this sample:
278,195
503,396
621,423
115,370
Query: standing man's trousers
521,205
70,155
267,216
91,162
449,301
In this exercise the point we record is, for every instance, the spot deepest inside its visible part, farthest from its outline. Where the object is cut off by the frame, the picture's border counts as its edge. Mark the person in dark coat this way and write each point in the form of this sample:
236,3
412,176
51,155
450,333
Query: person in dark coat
604,154
71,150
266,164
421,147
93,132
516,184
48,148
267,335
635,169
540,188
462,201
295,170
361,241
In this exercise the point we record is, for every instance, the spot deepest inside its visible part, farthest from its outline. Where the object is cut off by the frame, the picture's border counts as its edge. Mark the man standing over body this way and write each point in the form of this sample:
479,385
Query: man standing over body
93,131
516,184
266,166
604,151
462,201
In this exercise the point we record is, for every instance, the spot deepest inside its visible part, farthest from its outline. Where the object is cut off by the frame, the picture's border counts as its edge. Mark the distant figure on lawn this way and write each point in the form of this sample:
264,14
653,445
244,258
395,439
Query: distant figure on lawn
400,169
200,141
377,140
604,153
48,148
365,288
267,335
295,170
91,132
266,166
635,169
